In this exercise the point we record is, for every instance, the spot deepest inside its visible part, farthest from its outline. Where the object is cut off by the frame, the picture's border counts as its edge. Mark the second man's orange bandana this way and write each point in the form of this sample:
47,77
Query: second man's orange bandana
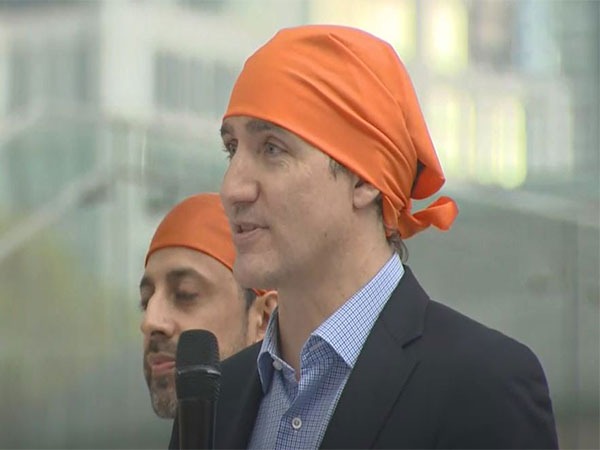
347,93
198,223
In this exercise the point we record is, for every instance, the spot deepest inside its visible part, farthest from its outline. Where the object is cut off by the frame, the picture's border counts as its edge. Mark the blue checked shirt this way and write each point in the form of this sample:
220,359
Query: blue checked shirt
295,415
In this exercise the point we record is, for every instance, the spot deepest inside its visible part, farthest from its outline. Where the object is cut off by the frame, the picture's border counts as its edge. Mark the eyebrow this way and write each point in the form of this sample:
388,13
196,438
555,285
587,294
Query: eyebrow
225,129
257,125
173,276
184,272
253,126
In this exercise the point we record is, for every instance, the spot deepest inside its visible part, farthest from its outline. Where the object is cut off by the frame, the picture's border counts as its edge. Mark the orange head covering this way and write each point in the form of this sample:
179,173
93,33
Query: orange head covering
346,92
198,223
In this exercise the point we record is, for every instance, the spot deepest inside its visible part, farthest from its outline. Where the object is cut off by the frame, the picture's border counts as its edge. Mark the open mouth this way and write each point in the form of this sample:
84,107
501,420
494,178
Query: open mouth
245,233
161,364
246,228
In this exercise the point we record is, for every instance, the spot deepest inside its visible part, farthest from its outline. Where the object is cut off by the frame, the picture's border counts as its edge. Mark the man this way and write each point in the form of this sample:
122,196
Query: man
327,147
188,284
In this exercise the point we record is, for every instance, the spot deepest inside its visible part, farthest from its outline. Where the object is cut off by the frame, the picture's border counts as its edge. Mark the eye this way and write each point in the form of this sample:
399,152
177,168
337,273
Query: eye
183,296
229,148
146,292
272,150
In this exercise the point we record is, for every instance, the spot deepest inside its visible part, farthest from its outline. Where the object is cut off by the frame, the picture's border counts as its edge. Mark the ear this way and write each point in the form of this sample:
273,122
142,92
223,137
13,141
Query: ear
364,194
260,312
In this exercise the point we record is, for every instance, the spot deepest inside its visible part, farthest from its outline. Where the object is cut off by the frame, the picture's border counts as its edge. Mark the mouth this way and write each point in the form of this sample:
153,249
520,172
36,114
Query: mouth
161,364
245,233
245,227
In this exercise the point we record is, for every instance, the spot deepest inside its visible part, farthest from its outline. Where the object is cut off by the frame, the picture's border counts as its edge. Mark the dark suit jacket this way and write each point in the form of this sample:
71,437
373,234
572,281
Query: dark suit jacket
427,377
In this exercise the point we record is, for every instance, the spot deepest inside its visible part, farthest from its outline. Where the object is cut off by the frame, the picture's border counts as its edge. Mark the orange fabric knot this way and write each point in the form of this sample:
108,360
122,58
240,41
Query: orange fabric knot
440,213
347,93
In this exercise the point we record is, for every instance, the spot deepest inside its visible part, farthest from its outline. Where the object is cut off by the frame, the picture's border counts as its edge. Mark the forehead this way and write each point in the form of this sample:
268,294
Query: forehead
248,124
185,260
239,126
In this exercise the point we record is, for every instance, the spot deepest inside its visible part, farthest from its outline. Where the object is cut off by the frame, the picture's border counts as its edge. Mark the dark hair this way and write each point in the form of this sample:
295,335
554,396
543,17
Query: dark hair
394,238
249,296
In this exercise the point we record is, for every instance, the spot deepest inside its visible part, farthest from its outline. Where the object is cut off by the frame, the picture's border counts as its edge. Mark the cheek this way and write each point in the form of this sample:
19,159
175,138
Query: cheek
298,209
214,314
196,318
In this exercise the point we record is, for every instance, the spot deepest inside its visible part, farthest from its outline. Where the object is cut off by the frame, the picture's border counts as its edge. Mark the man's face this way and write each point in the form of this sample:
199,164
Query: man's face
288,212
185,289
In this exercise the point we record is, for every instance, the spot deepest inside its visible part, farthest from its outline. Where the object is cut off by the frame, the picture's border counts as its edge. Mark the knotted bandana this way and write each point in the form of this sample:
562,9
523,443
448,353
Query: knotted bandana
347,93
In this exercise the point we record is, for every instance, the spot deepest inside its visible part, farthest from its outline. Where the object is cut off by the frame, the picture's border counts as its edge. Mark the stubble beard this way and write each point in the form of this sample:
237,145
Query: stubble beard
162,388
162,395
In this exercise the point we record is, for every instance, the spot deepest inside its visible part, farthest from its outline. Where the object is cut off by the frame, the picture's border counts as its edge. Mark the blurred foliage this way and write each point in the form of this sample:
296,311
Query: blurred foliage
53,311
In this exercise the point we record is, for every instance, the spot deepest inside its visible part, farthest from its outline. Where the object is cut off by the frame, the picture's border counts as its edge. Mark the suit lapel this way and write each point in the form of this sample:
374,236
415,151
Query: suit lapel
381,370
241,399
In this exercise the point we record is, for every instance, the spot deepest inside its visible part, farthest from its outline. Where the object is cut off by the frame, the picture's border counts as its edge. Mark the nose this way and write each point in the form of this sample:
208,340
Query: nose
157,317
240,184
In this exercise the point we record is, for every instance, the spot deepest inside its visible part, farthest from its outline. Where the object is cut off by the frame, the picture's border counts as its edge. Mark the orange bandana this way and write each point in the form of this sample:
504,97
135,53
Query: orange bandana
198,223
346,93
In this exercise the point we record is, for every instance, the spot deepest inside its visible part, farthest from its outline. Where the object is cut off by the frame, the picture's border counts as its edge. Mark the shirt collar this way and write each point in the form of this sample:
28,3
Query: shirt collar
346,330
269,350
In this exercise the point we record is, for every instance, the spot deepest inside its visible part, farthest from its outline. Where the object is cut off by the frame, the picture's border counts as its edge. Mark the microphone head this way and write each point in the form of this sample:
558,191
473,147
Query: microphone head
197,366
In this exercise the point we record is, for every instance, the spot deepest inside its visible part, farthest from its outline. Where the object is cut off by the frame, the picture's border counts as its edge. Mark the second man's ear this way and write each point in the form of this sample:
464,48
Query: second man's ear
261,311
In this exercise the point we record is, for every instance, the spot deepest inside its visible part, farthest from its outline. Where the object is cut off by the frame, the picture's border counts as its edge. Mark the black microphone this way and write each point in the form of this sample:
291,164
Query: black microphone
197,382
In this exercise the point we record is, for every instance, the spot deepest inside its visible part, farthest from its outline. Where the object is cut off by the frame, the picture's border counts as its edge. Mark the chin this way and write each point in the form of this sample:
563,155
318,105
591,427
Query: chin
164,403
250,272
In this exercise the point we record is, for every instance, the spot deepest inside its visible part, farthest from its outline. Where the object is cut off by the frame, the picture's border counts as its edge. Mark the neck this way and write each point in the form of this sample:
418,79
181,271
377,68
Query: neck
317,294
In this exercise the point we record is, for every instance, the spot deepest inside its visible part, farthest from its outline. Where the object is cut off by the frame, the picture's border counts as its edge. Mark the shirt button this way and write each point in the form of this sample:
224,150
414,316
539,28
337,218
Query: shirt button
277,365
296,423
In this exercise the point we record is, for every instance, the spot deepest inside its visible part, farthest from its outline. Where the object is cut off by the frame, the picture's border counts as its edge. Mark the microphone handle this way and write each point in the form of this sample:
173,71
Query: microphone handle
196,423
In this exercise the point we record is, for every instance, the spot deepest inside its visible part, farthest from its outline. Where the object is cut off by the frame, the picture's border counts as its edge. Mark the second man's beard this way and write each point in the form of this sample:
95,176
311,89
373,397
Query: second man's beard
162,388
163,396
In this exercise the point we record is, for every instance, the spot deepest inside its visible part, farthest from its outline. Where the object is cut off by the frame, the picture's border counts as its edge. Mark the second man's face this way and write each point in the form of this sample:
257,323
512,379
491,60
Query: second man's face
185,289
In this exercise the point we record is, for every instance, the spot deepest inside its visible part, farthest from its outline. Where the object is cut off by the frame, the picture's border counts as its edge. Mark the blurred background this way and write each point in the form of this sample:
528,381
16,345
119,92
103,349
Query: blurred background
109,115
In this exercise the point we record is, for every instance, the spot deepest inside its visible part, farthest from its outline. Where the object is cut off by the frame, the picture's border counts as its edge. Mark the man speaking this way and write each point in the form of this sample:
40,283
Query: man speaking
328,147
